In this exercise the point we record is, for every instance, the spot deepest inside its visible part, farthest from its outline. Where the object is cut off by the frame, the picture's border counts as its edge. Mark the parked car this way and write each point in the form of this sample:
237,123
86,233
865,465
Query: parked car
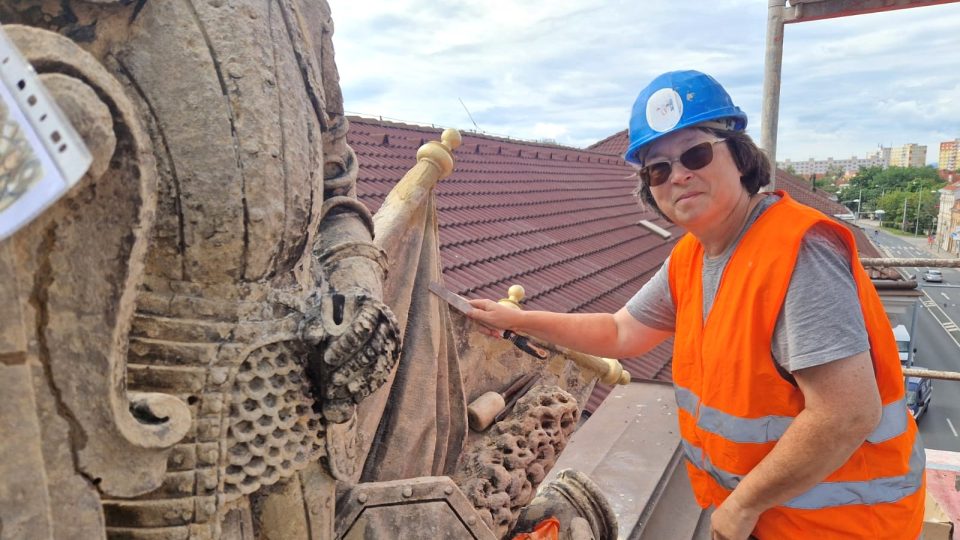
933,276
919,394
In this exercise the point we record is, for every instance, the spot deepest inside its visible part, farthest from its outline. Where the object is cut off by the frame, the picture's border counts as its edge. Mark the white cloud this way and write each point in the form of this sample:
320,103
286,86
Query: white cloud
570,69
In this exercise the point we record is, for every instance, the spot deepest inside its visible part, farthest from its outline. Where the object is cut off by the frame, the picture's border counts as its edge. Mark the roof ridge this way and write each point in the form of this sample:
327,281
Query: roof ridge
362,118
607,138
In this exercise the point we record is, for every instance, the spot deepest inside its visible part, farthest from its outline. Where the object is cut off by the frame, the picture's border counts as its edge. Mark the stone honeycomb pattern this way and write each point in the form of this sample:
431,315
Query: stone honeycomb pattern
502,471
274,430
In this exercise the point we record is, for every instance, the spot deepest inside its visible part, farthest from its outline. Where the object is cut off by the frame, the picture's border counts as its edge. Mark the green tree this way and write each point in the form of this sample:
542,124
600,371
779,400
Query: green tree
895,203
877,182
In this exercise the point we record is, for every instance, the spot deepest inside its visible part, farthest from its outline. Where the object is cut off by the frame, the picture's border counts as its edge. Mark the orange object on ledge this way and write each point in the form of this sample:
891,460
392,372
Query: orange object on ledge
548,529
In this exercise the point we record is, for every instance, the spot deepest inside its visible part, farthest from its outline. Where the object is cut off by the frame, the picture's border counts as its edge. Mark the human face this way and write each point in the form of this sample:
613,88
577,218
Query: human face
698,198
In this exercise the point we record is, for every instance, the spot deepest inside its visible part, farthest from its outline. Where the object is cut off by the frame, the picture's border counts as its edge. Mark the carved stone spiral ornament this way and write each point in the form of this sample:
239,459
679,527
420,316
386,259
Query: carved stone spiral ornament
273,428
501,473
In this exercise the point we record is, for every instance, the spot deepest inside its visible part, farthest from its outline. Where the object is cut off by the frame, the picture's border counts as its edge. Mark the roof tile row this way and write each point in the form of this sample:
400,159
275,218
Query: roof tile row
562,222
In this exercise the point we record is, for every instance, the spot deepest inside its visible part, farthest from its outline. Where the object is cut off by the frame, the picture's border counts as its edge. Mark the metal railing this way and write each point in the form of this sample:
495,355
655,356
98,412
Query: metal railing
888,262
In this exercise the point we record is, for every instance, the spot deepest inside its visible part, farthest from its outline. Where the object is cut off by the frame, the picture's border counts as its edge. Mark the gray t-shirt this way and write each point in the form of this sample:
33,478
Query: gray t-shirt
820,320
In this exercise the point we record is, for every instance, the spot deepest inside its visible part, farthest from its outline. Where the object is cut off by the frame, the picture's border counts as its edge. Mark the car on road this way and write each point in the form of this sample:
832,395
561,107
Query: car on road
919,394
933,276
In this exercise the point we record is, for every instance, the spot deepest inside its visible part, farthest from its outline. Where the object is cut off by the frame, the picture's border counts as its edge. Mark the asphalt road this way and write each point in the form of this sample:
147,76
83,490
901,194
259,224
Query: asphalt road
937,340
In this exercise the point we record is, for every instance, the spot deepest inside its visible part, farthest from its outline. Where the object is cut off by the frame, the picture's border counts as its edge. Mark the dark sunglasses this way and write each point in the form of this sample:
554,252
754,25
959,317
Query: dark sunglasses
694,158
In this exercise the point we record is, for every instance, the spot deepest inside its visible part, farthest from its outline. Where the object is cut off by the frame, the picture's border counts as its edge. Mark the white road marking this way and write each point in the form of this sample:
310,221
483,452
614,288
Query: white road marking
949,326
952,428
949,321
945,295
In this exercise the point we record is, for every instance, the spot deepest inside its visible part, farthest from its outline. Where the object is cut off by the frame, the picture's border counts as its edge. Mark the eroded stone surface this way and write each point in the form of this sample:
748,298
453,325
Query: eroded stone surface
228,254
501,472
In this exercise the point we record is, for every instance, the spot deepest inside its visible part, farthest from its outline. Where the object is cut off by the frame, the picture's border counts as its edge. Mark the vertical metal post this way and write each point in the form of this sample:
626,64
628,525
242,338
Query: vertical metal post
772,64
913,333
903,224
859,202
916,227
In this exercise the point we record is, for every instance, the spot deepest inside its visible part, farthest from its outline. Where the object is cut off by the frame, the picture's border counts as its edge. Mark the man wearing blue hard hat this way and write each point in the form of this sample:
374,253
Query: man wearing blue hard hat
788,383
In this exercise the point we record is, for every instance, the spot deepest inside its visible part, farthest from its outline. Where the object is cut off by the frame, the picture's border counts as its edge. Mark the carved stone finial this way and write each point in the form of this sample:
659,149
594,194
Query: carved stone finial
451,138
440,154
515,295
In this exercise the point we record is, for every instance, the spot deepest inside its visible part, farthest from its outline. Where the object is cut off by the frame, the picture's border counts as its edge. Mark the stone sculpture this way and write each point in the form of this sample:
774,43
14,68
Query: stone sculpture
200,340
501,472
258,317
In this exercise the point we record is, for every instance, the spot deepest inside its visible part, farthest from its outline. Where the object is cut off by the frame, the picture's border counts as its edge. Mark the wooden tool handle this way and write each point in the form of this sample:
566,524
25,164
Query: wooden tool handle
608,370
517,385
513,401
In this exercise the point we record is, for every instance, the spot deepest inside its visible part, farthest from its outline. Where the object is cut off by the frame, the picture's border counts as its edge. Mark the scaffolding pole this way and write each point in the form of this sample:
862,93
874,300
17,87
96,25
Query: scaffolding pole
772,66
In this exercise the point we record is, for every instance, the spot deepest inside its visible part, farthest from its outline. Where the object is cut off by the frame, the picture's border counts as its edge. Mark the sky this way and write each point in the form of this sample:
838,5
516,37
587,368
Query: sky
570,70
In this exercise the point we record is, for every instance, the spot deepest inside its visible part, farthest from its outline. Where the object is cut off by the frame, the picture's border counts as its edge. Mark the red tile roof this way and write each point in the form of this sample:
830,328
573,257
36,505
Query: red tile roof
560,221
615,144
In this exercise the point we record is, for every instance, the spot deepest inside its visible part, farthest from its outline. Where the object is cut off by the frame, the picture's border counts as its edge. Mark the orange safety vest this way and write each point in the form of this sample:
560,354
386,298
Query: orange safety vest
734,405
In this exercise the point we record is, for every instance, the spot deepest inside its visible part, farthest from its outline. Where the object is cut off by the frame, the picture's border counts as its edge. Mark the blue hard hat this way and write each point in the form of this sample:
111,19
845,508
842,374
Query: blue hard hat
677,100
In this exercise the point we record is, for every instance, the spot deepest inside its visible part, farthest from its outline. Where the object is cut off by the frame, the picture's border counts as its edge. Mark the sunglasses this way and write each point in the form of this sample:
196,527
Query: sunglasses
694,158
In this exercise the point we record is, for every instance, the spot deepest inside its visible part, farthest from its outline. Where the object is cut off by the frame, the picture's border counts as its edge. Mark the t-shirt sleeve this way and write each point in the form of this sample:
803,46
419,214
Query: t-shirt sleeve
653,303
821,319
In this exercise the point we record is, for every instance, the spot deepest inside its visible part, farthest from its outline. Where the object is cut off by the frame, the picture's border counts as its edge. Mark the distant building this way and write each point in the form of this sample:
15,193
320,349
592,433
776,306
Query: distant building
948,226
850,166
908,155
949,159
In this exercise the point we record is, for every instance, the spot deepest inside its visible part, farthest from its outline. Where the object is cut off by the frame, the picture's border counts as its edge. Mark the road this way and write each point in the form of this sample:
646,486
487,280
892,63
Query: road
937,340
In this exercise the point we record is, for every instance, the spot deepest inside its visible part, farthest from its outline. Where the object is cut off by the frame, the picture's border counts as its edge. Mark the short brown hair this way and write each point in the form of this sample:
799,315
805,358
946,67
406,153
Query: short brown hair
750,160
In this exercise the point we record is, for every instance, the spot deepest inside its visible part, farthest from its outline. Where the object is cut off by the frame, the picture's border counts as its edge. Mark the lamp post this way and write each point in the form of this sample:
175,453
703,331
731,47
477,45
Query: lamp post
903,223
916,227
859,198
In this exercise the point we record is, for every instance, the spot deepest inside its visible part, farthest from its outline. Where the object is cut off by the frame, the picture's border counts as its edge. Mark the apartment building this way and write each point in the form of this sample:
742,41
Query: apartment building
949,159
849,166
948,231
908,155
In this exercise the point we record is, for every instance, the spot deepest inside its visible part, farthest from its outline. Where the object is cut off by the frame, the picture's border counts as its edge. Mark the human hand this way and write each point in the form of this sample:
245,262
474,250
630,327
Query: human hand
732,522
494,318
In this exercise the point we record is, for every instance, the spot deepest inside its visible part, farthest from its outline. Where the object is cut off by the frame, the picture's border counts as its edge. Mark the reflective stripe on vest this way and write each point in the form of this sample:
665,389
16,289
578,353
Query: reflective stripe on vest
827,494
893,421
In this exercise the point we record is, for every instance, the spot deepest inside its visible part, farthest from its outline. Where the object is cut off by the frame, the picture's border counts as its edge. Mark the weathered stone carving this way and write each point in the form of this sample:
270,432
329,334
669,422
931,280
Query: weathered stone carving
500,473
259,322
577,503
273,428
81,299
425,507
206,322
